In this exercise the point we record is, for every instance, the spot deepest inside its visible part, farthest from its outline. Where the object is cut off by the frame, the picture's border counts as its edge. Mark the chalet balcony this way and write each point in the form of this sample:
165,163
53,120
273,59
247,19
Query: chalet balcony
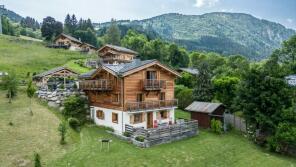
154,84
101,85
151,105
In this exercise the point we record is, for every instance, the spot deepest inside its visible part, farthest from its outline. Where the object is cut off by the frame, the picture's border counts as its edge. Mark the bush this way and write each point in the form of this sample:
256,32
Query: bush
229,127
63,130
216,126
76,107
140,138
126,134
37,162
74,123
184,97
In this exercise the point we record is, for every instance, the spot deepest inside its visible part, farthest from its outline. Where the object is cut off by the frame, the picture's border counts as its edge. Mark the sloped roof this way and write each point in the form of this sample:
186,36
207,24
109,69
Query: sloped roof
54,70
204,107
69,37
120,49
123,69
92,46
192,71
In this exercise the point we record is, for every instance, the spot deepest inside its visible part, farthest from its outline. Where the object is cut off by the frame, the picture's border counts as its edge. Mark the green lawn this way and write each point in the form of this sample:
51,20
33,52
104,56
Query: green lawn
24,56
29,133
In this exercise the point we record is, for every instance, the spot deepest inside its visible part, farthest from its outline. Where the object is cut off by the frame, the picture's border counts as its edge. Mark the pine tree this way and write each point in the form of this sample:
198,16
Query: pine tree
113,34
203,90
67,24
37,162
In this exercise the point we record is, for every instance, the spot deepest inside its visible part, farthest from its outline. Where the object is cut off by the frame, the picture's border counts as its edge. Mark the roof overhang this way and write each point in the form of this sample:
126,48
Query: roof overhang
149,65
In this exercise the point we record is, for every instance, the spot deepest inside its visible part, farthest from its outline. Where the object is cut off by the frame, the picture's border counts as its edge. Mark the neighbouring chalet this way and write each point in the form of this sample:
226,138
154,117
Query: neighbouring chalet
111,54
127,91
68,42
204,112
56,75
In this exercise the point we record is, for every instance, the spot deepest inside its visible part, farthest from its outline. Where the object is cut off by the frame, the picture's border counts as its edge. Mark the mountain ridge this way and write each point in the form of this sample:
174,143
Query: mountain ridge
222,32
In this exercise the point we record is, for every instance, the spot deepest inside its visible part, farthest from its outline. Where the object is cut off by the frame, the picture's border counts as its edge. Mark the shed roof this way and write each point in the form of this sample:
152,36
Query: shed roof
204,107
54,70
119,48
192,71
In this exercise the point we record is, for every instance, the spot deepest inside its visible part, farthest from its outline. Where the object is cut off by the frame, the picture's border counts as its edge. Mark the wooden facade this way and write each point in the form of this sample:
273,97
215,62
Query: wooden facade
113,54
124,93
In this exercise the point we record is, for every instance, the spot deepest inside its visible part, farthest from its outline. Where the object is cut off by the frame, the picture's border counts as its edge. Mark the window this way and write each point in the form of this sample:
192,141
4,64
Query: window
100,114
138,118
163,114
162,96
151,75
140,97
115,98
114,117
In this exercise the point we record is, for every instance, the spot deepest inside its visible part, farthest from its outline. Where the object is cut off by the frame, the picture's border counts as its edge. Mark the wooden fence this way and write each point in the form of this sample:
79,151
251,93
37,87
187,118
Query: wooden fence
166,134
237,122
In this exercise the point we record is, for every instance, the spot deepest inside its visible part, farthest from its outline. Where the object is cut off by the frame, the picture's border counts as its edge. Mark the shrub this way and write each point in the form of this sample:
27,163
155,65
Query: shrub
76,107
126,134
229,127
216,126
37,162
63,130
10,124
74,123
140,138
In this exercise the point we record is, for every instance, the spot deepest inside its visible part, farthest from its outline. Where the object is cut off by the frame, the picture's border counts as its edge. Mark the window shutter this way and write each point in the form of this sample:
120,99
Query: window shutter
132,119
143,117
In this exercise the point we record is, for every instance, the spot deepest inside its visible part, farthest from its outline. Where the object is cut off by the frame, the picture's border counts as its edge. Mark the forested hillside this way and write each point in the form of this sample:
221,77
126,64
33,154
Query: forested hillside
225,33
11,15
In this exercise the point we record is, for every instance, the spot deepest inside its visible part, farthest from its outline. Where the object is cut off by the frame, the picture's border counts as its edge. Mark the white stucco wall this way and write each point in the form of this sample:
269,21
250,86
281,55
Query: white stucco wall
124,118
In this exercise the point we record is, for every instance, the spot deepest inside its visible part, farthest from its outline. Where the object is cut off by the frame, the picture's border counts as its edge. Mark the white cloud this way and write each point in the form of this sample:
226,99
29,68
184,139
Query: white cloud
289,20
205,3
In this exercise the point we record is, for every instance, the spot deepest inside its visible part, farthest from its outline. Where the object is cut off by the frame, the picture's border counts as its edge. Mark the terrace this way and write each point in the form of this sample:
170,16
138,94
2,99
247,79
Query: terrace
153,84
151,105
100,85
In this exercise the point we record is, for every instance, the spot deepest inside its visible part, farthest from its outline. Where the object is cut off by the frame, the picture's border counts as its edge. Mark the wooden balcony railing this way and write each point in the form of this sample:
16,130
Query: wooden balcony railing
154,84
101,84
150,105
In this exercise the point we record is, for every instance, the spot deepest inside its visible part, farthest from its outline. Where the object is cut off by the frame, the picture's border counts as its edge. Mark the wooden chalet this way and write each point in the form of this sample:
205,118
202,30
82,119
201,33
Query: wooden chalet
111,54
68,42
137,93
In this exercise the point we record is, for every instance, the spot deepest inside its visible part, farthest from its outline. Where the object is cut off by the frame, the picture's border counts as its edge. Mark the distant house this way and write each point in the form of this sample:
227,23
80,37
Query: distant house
192,71
68,42
204,112
59,73
111,54
88,48
291,80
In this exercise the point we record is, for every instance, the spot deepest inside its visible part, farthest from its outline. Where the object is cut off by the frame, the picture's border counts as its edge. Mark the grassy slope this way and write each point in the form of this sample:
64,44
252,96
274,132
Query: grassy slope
24,56
29,133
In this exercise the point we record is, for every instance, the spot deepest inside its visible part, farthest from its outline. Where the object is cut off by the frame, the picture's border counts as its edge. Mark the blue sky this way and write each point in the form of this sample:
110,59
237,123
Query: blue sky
281,11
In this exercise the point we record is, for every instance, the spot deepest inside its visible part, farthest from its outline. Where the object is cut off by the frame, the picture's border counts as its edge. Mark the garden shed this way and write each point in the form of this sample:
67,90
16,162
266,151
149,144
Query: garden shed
204,112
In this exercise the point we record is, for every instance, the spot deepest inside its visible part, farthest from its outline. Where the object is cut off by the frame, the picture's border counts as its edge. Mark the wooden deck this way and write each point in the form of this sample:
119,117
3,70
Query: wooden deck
99,85
149,105
153,84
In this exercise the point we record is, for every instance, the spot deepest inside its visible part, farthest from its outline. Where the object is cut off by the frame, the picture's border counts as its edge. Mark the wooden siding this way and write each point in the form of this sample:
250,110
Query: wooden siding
128,87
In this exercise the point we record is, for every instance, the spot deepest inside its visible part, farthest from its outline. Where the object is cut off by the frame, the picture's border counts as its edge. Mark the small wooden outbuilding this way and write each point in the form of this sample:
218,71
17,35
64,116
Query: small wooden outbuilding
204,112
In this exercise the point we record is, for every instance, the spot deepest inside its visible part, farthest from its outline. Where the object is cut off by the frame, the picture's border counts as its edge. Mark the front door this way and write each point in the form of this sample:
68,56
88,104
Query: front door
150,120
